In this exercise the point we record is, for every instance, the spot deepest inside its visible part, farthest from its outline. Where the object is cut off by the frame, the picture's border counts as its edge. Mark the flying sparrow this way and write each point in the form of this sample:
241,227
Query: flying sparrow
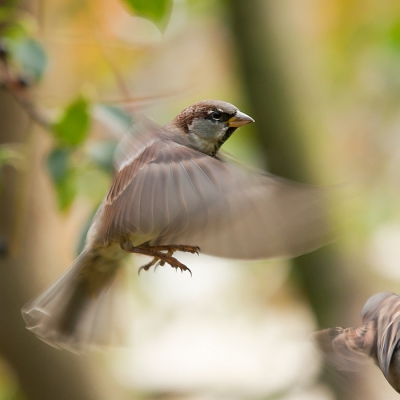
173,192
378,338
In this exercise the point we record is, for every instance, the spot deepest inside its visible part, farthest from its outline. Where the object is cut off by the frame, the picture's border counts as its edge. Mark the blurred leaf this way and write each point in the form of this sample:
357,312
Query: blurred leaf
102,154
7,14
30,55
73,126
114,117
157,11
14,31
66,191
58,164
16,23
9,388
11,155
394,35
63,176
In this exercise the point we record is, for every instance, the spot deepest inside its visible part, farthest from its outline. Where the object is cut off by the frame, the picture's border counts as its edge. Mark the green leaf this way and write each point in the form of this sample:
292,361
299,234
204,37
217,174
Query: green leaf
58,164
157,11
66,191
63,176
17,24
32,58
73,126
394,35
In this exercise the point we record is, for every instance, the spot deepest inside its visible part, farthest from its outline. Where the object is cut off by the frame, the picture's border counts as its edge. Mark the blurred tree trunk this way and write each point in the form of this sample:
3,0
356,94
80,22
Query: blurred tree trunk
31,230
322,274
27,226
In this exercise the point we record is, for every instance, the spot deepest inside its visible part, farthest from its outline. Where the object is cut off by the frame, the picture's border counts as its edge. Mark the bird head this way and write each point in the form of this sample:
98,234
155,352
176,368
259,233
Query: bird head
208,124
374,304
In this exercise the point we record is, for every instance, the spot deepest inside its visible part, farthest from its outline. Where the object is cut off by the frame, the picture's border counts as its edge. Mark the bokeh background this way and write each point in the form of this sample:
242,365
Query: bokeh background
322,80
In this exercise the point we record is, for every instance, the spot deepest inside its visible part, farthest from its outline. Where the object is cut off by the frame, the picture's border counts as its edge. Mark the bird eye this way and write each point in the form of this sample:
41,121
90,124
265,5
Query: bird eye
216,115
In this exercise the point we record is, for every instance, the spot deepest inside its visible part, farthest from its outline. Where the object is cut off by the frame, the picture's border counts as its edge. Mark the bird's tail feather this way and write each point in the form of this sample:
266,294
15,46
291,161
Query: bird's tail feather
85,307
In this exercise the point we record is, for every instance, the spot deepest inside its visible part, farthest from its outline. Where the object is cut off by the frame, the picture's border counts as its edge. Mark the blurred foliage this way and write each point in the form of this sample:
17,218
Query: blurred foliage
30,56
157,11
25,53
63,175
9,389
352,49
10,155
74,163
72,128
16,24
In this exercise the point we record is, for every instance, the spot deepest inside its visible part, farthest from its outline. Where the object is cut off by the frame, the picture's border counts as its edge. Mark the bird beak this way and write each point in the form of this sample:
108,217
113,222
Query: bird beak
239,119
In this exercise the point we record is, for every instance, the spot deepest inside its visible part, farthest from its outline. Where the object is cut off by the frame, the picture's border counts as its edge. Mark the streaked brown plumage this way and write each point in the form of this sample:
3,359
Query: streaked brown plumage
173,193
378,338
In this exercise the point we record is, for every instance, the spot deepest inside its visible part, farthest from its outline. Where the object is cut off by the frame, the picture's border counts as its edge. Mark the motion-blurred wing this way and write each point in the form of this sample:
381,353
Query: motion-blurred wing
172,194
346,349
388,332
135,140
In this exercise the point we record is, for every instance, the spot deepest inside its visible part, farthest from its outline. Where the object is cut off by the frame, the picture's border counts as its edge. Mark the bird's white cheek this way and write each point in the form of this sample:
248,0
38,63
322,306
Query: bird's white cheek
204,135
206,129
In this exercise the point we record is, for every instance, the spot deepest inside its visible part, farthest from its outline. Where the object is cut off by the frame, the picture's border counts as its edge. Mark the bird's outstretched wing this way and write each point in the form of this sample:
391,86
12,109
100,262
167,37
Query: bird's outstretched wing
346,349
173,194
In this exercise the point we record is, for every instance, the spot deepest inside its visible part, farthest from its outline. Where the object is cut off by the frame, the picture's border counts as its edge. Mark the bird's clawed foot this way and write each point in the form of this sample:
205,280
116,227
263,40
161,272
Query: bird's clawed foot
177,247
162,255
161,259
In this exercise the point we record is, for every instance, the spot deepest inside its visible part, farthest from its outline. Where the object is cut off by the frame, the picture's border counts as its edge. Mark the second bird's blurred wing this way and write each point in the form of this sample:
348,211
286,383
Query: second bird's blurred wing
169,193
346,348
